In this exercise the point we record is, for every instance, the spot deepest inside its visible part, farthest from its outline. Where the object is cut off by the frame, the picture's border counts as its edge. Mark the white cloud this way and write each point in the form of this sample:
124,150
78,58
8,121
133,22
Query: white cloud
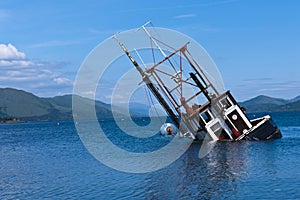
10,52
20,72
14,63
55,43
89,93
61,80
185,16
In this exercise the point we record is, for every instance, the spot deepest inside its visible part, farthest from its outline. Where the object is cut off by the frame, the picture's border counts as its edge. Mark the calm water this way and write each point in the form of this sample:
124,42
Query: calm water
45,160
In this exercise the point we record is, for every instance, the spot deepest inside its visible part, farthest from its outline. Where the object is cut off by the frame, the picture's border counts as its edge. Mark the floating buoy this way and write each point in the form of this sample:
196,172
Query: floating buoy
168,129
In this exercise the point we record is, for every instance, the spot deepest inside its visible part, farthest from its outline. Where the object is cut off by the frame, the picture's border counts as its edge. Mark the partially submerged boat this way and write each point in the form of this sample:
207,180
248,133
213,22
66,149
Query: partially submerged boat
204,113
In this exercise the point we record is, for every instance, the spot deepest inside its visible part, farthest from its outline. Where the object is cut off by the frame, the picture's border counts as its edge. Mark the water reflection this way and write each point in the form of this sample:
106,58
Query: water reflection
212,177
47,161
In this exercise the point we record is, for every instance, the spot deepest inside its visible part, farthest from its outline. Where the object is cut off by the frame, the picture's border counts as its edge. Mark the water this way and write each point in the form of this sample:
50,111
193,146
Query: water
46,160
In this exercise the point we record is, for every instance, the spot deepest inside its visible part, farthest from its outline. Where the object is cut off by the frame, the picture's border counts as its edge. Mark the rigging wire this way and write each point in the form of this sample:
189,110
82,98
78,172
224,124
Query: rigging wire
151,102
152,49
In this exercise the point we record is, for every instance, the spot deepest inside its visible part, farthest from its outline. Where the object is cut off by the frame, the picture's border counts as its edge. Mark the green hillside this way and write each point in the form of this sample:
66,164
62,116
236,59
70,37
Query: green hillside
295,99
294,106
26,106
21,105
18,103
268,104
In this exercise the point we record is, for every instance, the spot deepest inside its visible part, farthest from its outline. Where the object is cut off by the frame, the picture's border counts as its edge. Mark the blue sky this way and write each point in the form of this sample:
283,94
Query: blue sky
255,44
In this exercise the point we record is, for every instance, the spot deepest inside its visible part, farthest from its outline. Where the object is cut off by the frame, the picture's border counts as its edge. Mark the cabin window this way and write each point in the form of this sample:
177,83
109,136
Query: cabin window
226,103
206,116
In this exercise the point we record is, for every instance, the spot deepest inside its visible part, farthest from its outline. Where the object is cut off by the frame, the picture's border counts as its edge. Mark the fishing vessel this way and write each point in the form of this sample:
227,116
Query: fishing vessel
191,98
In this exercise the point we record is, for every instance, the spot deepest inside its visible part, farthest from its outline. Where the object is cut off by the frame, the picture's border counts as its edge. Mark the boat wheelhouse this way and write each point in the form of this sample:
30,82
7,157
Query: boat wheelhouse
191,98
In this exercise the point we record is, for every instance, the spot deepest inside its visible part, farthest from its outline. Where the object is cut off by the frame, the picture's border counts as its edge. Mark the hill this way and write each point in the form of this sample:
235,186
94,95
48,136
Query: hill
26,106
295,99
268,104
23,105
294,106
18,103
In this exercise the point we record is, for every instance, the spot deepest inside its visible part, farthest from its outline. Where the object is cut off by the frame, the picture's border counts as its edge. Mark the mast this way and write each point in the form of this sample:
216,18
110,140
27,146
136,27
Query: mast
199,84
151,86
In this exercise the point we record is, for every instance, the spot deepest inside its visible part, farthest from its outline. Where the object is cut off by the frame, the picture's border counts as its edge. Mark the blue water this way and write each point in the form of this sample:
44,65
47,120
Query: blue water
47,160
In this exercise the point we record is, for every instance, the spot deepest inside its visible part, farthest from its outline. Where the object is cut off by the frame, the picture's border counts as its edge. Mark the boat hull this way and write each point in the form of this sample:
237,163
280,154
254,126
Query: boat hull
265,131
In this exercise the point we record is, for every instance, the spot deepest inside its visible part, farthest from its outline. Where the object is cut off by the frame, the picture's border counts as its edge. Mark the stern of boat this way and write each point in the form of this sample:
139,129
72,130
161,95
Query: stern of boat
263,129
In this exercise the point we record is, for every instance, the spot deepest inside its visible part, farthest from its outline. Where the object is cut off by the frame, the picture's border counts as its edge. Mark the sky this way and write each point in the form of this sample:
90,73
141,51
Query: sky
255,44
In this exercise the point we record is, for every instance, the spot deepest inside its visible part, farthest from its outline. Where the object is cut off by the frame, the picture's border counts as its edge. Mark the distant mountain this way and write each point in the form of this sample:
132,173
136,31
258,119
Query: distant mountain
294,106
64,105
18,103
295,99
26,106
268,104
23,105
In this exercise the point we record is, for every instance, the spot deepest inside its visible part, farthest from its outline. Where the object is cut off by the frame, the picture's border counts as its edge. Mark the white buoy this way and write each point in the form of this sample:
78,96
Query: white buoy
168,129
